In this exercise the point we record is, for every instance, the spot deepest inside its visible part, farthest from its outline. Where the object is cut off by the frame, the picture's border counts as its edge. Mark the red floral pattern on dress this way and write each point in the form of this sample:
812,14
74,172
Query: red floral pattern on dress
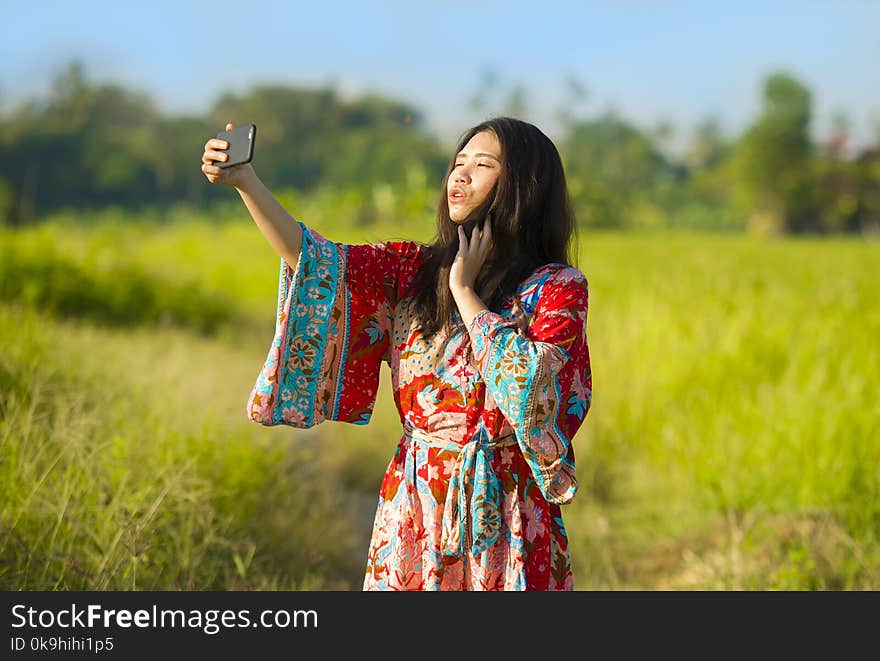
471,497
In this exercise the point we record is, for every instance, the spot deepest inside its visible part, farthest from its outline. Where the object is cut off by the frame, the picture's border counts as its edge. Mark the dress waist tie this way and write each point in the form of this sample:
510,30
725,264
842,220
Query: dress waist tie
472,511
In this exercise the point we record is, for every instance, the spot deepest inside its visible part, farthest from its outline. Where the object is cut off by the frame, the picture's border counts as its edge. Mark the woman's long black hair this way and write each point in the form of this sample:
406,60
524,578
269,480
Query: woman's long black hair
532,224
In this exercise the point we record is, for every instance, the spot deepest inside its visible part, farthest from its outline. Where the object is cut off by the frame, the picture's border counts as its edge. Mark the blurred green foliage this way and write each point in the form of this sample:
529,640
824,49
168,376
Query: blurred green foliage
107,288
89,145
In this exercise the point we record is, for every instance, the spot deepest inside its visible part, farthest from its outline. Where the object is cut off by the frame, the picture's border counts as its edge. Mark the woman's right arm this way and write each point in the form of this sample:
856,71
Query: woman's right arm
280,228
282,232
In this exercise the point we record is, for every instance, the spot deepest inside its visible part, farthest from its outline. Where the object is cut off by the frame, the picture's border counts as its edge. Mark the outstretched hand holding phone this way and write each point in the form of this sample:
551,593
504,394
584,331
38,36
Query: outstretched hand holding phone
217,151
280,228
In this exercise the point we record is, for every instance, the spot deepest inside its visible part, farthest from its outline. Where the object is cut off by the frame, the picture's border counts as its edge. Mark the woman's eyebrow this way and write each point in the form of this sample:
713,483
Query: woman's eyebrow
482,153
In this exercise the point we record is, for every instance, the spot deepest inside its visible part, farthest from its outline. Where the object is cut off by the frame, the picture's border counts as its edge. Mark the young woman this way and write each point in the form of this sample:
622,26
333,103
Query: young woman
485,334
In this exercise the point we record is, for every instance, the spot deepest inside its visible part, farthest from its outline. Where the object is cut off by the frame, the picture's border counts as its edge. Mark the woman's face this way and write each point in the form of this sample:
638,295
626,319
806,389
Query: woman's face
476,170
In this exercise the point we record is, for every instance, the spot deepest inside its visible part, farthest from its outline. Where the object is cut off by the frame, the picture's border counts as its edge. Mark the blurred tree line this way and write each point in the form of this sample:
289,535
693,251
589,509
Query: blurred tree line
89,145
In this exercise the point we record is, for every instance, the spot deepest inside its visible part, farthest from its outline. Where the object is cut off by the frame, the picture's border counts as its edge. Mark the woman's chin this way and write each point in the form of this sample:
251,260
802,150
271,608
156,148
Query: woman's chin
462,216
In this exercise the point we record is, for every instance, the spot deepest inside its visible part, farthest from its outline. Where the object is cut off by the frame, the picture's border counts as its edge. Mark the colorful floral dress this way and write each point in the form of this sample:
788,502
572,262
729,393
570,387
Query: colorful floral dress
471,498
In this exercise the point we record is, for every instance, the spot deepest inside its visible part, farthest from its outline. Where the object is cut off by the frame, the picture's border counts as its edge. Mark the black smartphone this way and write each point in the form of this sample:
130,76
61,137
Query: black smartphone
241,145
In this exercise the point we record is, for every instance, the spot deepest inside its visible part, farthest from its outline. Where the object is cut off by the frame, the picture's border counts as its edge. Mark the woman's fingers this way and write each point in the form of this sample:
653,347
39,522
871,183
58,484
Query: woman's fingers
481,238
214,153
480,241
207,168
215,173
476,239
209,156
486,238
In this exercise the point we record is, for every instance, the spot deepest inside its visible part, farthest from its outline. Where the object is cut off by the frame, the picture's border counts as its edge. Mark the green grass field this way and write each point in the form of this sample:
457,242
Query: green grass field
733,440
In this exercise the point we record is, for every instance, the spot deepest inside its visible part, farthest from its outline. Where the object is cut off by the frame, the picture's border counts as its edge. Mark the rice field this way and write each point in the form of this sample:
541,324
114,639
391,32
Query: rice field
733,440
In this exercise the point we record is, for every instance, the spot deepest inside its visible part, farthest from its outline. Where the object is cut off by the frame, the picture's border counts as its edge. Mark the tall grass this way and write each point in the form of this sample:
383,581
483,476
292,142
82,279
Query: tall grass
733,441
735,436
125,467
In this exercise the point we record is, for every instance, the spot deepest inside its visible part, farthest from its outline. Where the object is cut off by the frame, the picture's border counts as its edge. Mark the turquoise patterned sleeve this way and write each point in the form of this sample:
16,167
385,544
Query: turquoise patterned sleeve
541,378
331,333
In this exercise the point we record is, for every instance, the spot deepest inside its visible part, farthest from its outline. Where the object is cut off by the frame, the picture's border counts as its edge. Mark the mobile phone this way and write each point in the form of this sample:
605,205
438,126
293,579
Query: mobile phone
241,145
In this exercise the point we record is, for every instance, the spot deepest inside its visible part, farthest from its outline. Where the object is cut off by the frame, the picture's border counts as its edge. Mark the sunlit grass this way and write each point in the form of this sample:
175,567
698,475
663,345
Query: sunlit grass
733,441
127,463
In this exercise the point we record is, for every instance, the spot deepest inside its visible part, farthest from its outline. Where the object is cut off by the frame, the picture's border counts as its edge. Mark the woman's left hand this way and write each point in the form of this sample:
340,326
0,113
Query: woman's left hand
471,256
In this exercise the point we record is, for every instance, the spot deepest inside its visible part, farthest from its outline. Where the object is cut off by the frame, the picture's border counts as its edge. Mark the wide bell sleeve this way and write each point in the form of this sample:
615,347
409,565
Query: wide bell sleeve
332,332
540,378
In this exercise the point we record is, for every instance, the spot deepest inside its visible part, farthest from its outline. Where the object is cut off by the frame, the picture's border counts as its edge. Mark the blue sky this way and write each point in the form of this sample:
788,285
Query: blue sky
650,60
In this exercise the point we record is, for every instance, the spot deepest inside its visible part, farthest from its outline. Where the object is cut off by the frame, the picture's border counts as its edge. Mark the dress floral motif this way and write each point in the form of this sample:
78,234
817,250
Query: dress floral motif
471,497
